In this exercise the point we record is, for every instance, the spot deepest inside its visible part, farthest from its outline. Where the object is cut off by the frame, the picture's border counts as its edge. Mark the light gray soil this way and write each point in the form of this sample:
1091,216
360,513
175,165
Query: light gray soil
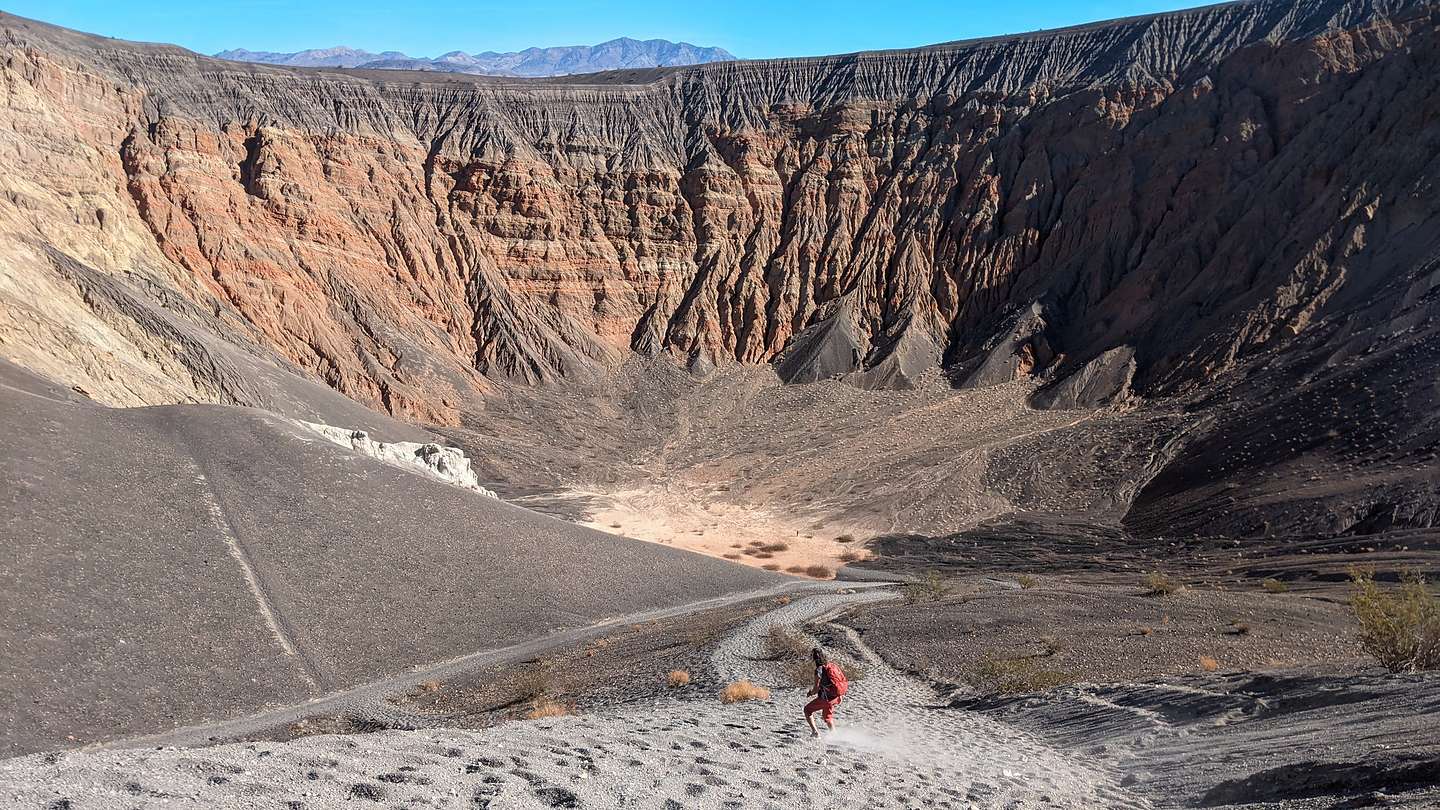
897,746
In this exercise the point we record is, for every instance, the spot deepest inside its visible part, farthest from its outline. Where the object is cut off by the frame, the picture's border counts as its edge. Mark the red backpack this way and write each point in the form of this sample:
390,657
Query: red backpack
835,677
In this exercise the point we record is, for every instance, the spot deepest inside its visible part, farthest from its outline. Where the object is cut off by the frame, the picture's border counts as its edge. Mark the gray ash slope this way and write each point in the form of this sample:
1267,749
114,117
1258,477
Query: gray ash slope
170,565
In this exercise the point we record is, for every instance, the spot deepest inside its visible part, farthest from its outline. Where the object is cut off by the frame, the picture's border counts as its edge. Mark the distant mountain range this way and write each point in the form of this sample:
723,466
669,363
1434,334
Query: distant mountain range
617,54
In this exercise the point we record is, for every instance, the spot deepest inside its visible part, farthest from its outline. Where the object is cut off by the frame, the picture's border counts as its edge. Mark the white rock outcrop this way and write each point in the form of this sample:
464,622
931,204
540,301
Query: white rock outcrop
447,464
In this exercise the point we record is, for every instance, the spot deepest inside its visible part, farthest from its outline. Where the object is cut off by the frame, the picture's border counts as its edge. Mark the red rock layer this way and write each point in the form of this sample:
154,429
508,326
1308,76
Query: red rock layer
1195,186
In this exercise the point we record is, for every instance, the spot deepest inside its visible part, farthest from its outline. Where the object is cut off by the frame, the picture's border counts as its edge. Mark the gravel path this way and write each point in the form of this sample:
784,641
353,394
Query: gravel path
895,748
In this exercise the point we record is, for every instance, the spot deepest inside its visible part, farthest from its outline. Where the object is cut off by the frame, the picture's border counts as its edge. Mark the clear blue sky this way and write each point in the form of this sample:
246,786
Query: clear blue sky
748,28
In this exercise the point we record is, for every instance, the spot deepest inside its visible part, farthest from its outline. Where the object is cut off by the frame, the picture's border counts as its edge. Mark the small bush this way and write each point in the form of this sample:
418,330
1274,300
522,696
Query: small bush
430,686
1027,582
929,589
851,556
1399,627
1157,583
781,642
541,709
819,572
740,691
771,566
539,682
801,671
731,556
1273,585
1015,676
782,600
1239,628
1209,664
775,548
678,678
845,538
798,671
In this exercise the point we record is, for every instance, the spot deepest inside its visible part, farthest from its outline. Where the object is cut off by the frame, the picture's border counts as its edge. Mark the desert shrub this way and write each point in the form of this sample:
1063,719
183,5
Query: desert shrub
1209,664
798,671
775,548
819,572
740,691
678,678
931,588
1027,582
1273,585
782,600
1015,676
429,686
539,681
731,556
795,569
1399,627
1239,628
801,671
771,566
792,652
1157,583
541,709
782,642
845,538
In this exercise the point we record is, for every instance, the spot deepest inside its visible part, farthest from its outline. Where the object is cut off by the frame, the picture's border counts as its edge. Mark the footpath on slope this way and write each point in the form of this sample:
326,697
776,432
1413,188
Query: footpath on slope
896,747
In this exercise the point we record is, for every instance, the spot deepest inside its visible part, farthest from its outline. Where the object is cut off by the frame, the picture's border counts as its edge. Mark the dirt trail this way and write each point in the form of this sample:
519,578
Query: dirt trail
896,747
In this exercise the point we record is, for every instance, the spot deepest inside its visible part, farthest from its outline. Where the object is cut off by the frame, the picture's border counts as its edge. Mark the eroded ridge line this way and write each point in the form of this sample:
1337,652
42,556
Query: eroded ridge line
263,602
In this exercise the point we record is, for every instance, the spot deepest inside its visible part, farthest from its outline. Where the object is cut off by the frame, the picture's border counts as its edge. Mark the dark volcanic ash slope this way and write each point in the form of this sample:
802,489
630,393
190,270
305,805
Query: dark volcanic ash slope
169,565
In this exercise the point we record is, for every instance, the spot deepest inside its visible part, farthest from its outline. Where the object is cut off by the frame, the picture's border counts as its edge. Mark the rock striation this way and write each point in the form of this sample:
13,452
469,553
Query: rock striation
1232,205
1199,186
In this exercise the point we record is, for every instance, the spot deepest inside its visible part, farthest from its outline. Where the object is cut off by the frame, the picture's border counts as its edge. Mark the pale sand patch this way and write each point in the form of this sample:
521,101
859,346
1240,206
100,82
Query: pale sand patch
674,516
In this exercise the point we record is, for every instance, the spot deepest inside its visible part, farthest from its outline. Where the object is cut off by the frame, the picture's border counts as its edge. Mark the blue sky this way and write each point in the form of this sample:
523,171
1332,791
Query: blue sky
748,28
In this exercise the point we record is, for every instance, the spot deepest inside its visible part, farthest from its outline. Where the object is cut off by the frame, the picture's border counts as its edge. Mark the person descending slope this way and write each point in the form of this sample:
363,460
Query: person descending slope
830,686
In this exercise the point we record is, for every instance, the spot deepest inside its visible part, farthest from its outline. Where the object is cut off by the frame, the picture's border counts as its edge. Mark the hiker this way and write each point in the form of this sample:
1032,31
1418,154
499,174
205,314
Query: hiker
830,686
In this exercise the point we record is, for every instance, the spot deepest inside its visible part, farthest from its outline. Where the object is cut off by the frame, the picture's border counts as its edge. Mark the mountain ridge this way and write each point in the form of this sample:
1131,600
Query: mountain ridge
621,53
